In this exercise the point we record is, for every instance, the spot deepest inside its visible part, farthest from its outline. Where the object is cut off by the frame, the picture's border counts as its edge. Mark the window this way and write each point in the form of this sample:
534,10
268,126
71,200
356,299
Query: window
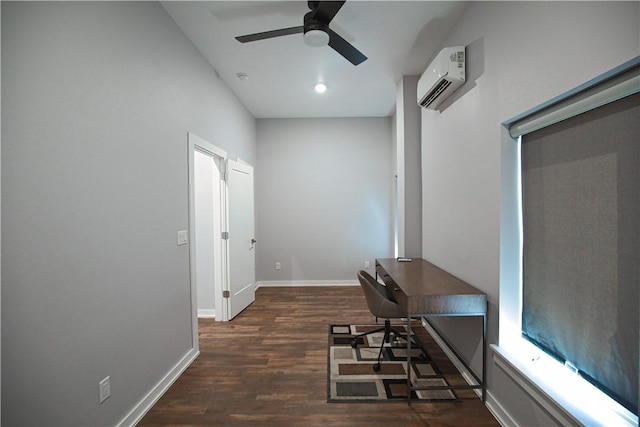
581,222
570,249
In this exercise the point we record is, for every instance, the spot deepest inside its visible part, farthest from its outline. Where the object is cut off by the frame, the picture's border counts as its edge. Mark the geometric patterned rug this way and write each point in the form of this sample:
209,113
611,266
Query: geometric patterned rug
351,377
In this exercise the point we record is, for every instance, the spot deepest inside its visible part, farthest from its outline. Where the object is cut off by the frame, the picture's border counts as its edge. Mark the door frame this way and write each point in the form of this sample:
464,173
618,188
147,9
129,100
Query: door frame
195,143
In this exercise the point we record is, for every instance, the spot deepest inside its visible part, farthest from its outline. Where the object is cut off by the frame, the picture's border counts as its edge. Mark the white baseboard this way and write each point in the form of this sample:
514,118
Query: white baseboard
147,402
206,313
498,411
291,283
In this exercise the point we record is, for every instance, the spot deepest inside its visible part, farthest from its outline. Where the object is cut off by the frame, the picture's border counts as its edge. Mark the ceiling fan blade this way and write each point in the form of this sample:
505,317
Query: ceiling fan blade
270,34
345,48
326,10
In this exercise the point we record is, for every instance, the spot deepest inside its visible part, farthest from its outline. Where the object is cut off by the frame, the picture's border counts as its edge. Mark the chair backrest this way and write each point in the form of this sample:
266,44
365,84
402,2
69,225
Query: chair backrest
377,301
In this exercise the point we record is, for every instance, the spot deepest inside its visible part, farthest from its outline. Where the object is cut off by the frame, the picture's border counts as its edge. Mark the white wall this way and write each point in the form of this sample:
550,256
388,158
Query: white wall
97,100
323,197
519,54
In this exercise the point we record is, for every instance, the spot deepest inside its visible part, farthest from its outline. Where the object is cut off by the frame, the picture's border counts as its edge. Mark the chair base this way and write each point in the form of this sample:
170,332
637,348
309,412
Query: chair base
388,337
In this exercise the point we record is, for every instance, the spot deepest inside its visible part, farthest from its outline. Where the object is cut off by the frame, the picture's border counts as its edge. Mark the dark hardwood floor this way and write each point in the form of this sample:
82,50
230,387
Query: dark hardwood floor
268,367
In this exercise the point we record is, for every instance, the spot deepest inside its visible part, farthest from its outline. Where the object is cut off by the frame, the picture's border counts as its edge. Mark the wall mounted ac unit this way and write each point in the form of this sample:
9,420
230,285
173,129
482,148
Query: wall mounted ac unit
442,77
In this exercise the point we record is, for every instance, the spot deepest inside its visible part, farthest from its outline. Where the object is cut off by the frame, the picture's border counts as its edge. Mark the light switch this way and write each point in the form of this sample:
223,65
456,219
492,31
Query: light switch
182,237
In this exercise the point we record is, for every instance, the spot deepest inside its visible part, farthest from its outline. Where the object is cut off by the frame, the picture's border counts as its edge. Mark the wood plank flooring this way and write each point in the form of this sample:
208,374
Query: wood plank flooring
268,367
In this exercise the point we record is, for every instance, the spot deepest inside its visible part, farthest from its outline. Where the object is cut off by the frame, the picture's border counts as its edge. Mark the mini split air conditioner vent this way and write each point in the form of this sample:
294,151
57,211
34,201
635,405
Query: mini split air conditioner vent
443,76
435,92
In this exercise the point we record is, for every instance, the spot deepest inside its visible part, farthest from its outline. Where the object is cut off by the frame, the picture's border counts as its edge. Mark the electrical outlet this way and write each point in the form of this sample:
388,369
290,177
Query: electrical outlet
105,389
182,237
366,264
278,266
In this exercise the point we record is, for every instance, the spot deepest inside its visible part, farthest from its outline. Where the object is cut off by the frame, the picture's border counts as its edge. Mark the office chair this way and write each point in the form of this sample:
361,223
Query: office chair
382,305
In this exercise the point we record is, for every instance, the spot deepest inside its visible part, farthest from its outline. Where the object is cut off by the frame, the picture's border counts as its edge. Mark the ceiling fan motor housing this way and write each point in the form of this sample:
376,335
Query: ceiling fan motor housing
315,32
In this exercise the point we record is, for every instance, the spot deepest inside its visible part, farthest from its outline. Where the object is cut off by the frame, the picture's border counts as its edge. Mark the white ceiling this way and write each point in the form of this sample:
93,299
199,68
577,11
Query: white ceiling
398,37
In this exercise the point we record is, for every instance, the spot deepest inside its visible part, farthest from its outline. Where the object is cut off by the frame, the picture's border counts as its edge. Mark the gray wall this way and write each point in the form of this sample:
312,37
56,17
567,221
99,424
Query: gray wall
323,197
97,100
519,54
408,156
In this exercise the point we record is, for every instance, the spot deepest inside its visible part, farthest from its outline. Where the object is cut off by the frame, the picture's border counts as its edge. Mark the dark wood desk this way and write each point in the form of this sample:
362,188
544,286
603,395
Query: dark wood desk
426,290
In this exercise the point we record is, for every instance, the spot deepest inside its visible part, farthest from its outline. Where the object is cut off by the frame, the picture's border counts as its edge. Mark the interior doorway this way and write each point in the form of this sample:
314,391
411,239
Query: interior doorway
221,233
207,217
208,229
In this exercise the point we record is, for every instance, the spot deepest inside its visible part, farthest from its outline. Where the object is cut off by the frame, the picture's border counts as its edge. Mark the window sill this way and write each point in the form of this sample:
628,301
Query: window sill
568,398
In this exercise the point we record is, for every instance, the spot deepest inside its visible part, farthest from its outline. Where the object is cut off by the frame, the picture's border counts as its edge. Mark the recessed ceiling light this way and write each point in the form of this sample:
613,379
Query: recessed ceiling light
243,76
320,88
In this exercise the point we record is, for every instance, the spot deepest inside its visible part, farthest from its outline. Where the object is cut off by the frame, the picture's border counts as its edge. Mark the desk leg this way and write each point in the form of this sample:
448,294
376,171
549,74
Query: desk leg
409,360
484,358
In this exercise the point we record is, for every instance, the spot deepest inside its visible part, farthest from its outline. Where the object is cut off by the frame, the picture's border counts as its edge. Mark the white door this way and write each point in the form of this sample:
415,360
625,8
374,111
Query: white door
241,228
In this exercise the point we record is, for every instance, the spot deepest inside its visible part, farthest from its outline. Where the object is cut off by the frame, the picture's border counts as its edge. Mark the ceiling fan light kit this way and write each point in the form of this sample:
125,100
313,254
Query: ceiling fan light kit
316,31
316,38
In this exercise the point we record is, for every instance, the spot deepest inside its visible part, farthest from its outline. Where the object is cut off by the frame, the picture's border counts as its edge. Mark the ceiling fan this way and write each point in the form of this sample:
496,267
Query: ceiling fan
316,31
